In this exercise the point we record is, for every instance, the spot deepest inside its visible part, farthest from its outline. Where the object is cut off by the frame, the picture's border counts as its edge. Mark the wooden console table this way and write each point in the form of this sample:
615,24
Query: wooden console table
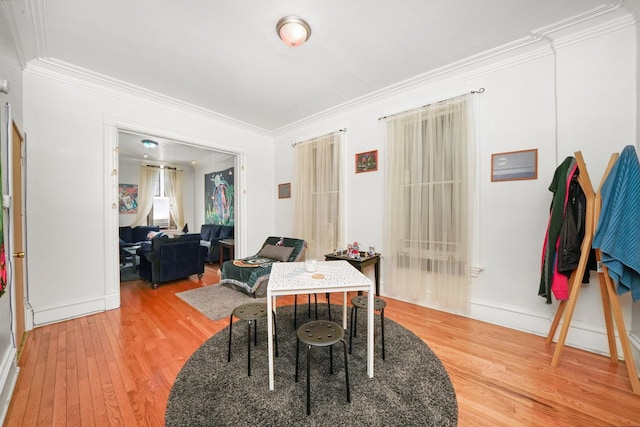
364,261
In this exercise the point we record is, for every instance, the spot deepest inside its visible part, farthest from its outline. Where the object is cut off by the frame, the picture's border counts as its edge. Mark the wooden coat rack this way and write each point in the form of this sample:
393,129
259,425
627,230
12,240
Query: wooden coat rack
610,302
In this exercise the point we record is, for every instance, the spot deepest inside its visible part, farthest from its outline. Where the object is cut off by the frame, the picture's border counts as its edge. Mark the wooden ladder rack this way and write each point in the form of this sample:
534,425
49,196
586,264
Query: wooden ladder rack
610,301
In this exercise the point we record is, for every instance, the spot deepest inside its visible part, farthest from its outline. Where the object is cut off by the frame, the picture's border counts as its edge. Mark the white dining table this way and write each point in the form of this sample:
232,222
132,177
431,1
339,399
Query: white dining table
291,278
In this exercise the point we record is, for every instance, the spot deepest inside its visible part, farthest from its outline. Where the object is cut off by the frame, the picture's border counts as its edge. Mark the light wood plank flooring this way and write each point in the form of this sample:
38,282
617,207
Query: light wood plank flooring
117,367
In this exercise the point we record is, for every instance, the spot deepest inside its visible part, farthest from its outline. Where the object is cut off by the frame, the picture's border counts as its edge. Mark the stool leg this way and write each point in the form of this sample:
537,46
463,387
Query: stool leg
297,356
255,333
295,311
382,330
331,359
275,331
249,348
315,297
351,326
355,322
308,380
230,331
346,370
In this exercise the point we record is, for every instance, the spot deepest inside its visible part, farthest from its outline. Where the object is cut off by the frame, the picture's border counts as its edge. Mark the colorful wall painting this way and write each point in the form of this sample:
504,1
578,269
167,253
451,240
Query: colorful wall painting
128,194
219,197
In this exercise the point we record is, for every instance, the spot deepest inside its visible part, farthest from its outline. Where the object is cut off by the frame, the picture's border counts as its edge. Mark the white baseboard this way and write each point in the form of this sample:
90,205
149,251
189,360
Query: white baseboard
112,301
8,378
47,315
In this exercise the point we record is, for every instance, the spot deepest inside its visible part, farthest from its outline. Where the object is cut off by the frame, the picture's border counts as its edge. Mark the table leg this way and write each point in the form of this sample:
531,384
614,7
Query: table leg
370,326
270,309
376,267
344,312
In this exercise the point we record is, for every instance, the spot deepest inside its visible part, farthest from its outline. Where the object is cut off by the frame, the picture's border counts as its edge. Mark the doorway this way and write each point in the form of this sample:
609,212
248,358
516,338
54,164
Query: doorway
116,133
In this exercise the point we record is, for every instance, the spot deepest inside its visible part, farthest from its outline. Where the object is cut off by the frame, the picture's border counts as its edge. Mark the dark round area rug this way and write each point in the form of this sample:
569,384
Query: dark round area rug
409,388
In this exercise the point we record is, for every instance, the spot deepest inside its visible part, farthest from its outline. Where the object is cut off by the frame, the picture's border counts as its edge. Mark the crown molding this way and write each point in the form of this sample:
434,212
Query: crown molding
80,77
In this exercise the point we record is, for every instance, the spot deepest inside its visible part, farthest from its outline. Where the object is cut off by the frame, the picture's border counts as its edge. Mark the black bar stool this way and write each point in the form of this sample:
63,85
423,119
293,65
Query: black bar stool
321,333
361,302
251,313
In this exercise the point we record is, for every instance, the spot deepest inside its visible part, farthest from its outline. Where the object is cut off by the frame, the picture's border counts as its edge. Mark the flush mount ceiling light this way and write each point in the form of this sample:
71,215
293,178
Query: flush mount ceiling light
293,31
148,143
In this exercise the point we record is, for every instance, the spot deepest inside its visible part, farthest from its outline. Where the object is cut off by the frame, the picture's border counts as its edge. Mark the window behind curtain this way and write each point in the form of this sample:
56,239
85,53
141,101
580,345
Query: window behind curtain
160,212
317,193
427,203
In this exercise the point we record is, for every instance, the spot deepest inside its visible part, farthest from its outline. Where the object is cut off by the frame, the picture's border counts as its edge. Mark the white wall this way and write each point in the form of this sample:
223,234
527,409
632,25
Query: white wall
73,191
592,75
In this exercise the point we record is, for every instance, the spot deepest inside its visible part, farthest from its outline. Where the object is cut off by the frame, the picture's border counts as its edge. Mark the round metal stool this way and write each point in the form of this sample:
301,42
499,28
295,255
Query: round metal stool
321,333
361,302
251,313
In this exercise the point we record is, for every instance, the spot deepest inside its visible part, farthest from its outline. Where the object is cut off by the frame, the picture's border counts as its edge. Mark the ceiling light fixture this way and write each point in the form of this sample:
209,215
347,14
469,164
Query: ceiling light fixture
293,31
148,143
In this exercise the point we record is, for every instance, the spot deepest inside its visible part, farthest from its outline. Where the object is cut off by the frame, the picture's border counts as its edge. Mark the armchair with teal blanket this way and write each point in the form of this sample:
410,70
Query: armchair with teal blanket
251,274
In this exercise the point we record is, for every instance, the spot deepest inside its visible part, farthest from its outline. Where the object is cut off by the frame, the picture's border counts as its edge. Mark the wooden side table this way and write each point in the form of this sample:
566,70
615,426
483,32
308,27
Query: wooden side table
229,244
364,261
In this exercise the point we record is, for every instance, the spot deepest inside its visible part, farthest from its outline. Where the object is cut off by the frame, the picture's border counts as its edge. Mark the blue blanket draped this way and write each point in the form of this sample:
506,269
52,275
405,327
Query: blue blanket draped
618,231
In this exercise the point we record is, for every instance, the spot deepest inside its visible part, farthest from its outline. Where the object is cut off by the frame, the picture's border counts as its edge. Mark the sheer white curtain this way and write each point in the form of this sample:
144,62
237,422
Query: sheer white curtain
146,192
317,193
173,188
428,202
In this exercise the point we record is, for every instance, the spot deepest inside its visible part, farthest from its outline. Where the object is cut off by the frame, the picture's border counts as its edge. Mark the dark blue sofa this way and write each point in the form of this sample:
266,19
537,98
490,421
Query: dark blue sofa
163,259
135,236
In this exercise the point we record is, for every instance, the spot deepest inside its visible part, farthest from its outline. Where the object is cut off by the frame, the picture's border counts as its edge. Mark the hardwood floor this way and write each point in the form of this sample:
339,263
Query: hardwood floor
117,367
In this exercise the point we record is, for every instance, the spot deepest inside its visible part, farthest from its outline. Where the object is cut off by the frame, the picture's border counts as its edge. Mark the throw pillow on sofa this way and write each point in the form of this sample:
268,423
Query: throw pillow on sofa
277,253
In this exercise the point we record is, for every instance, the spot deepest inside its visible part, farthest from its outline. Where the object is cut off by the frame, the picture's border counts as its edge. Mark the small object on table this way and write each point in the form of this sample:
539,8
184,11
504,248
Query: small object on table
318,276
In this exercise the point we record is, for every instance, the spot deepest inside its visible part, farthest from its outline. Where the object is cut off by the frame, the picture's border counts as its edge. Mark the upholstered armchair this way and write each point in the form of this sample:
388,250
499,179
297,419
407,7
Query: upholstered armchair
251,274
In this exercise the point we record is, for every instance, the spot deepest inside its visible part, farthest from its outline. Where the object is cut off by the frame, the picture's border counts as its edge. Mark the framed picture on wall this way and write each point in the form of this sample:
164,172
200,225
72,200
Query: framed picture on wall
514,165
128,195
367,161
284,191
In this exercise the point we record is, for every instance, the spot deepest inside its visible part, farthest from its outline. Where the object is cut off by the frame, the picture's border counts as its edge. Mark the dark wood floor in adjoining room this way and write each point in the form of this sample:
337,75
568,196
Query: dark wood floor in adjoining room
117,367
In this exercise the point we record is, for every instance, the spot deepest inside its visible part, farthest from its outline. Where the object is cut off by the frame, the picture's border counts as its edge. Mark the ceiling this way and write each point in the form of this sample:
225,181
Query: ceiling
168,152
225,56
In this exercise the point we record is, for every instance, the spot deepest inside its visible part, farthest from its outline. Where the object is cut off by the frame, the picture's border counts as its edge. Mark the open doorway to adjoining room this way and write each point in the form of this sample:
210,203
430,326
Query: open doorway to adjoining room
197,163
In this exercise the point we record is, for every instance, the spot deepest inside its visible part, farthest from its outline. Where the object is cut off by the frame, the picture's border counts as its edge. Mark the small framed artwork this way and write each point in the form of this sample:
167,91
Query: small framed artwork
284,191
367,161
128,194
514,165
